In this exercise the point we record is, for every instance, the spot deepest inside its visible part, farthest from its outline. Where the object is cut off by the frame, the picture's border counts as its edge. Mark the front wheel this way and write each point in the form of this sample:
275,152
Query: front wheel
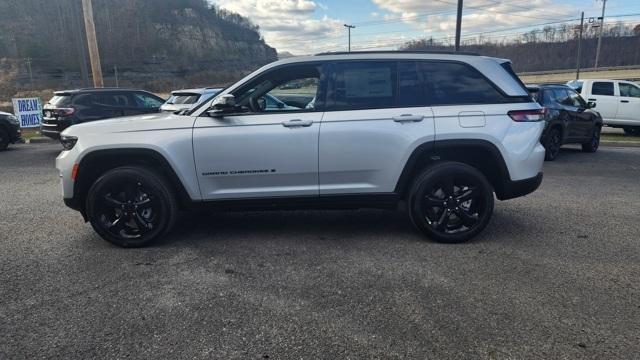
131,206
451,202
632,130
594,143
4,139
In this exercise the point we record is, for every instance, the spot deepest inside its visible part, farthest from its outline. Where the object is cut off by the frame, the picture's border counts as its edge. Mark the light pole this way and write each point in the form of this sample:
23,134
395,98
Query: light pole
349,27
579,47
604,3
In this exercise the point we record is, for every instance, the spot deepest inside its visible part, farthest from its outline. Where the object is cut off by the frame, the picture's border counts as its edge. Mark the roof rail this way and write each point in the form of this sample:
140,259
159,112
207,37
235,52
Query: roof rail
442,52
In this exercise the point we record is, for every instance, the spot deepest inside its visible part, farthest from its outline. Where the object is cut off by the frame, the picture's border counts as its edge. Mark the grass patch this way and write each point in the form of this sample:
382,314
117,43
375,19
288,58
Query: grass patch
620,137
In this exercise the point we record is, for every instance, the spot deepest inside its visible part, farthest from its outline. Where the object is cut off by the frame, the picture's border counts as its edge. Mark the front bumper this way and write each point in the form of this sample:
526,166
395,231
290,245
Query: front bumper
513,189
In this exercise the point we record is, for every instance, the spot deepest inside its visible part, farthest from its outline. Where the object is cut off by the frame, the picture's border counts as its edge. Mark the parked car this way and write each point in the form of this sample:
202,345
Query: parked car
72,107
436,132
568,119
9,130
188,98
618,101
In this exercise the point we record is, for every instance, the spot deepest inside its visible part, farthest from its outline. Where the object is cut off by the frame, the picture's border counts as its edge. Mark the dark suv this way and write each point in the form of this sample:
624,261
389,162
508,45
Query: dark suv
569,119
71,107
9,130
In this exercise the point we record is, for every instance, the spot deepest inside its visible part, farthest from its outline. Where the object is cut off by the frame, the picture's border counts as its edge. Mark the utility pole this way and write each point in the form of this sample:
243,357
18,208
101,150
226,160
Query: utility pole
604,3
81,46
115,70
349,27
94,55
579,46
28,63
458,25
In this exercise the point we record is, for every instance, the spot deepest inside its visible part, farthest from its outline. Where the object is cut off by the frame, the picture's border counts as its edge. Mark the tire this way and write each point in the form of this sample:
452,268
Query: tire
552,144
450,202
632,130
4,139
131,206
594,143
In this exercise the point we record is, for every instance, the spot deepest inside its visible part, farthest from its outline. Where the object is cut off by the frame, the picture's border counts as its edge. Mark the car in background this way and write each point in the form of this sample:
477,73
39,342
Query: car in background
9,130
618,101
188,99
72,107
568,119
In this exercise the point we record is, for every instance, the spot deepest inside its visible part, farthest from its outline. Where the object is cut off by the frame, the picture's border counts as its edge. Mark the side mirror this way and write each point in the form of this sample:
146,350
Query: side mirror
222,105
591,104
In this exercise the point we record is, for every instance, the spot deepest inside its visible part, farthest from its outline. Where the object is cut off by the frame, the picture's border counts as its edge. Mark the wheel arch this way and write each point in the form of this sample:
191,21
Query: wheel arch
97,162
480,154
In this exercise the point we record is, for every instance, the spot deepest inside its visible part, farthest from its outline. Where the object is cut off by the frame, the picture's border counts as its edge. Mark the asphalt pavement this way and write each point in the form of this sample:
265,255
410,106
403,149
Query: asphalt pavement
554,276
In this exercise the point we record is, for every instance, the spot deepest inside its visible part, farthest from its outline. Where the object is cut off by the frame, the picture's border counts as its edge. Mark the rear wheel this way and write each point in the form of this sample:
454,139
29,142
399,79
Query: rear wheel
131,206
632,130
451,202
4,139
552,144
594,143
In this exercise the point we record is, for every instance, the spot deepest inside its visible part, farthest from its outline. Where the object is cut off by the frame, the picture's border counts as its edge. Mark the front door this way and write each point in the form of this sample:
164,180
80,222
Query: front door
269,147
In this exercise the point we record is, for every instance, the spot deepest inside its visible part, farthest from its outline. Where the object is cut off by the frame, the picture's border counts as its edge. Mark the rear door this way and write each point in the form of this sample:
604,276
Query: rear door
603,93
376,114
629,105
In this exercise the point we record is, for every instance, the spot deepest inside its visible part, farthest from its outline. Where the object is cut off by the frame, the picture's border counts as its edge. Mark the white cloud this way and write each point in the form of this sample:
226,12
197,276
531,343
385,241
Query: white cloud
288,25
437,17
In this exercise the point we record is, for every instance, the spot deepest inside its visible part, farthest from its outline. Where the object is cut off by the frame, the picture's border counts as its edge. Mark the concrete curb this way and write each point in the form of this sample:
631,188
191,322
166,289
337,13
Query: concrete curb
620,143
39,140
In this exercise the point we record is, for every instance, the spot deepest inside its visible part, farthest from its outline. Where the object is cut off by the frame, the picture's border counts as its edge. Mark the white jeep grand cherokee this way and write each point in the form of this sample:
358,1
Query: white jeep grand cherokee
438,133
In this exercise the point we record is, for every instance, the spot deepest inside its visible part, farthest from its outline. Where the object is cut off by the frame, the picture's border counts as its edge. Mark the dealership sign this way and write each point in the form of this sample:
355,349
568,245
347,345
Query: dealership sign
28,111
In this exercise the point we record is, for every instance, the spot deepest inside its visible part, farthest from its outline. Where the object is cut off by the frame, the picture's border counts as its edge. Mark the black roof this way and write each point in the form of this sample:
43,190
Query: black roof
441,52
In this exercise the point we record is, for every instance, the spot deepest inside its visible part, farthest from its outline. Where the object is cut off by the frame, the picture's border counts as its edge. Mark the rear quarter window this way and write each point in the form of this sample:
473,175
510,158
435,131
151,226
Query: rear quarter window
459,84
60,100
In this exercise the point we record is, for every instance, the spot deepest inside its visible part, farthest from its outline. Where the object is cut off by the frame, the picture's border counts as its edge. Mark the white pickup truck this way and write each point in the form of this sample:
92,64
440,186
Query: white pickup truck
618,101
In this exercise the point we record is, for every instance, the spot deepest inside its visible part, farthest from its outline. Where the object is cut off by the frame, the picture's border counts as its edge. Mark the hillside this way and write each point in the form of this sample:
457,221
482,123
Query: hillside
157,45
554,48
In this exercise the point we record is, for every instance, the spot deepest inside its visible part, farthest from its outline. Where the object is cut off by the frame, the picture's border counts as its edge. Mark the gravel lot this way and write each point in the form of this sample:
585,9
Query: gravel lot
555,275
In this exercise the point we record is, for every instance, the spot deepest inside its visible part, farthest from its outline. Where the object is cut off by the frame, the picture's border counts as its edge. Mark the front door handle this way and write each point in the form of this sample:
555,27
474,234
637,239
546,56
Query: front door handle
592,99
297,123
624,101
408,118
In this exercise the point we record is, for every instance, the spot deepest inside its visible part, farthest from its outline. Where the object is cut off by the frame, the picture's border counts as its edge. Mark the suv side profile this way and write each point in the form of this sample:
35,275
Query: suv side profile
435,133
72,107
568,119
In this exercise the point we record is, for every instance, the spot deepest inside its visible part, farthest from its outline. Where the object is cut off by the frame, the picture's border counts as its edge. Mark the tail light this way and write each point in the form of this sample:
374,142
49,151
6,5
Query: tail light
527,115
64,112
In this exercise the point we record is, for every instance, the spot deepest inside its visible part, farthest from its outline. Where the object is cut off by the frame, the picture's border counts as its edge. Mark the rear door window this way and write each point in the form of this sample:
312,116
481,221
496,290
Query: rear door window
362,85
602,88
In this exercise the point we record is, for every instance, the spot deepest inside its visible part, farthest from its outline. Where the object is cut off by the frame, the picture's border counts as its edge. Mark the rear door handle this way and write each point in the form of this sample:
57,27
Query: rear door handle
408,118
592,99
297,123
624,101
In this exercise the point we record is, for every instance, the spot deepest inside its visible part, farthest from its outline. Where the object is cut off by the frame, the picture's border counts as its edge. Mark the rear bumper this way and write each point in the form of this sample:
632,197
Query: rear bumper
513,189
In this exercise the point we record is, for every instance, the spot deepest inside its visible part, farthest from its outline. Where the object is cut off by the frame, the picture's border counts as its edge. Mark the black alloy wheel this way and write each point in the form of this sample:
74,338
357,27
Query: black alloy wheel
632,130
552,144
451,202
594,143
131,206
4,139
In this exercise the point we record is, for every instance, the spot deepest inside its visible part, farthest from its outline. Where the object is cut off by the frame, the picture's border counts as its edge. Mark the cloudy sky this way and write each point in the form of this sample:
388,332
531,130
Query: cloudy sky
310,26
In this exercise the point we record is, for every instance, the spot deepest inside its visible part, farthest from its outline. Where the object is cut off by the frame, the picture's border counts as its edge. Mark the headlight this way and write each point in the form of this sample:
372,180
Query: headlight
68,142
13,119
